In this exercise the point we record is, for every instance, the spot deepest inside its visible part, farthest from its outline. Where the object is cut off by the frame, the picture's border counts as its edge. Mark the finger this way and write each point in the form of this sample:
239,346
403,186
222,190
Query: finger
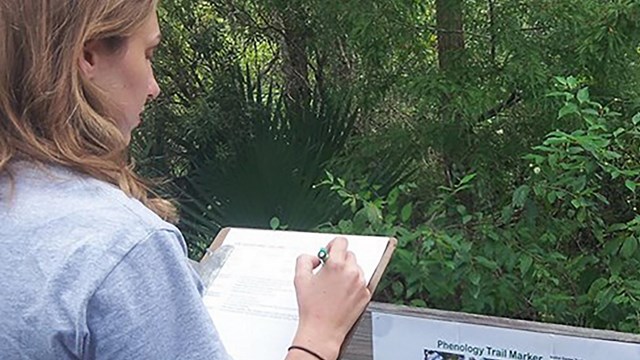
368,294
352,261
338,248
305,264
363,280
351,258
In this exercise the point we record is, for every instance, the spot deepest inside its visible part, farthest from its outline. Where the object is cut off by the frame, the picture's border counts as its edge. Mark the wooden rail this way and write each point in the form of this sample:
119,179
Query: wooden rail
360,347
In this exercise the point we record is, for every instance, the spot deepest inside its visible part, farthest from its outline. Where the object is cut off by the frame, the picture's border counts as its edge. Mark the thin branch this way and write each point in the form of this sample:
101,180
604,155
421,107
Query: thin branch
511,101
492,27
243,15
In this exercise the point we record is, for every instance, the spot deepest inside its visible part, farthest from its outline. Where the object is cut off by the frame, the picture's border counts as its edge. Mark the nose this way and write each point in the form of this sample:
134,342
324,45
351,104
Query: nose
154,88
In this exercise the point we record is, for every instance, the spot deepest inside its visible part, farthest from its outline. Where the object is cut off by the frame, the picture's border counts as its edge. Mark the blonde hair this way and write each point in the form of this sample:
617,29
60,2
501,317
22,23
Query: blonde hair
49,112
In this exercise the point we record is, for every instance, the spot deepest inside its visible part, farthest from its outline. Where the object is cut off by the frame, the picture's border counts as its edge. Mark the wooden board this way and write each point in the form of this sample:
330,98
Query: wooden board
360,347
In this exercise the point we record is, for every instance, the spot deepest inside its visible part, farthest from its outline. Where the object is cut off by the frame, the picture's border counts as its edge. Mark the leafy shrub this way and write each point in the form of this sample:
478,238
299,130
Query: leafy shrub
271,169
564,249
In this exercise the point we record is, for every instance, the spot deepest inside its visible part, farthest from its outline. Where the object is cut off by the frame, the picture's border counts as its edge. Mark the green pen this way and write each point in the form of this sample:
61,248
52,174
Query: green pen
323,255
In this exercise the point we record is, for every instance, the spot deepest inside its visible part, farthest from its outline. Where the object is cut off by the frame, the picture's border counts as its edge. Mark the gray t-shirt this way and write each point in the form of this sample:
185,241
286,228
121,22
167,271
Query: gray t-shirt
88,273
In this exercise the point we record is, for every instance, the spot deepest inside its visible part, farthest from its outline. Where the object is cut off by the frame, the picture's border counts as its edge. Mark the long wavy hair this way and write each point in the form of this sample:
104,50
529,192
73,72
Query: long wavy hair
49,111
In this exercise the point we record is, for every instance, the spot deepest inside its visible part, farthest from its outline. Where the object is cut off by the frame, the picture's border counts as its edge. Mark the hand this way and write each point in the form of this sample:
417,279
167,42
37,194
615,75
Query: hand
330,301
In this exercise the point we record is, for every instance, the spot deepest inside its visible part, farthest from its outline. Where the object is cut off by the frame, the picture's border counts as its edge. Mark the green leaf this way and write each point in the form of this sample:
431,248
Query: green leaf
590,112
618,227
467,178
537,159
466,219
561,139
545,149
474,278
374,215
581,215
405,213
561,80
579,184
525,264
507,214
398,289
635,284
597,286
615,174
604,300
629,247
636,119
274,223
392,198
568,108
563,94
489,264
520,195
583,95
631,185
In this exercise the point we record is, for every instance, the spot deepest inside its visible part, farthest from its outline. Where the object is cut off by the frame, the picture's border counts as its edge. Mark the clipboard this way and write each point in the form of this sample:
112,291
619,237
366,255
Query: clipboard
384,245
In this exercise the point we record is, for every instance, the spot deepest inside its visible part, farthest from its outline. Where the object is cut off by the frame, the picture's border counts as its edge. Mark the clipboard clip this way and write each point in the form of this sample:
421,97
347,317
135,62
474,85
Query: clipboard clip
211,263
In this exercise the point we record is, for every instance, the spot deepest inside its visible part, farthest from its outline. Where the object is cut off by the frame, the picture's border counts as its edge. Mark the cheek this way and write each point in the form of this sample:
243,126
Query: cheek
135,71
136,87
138,78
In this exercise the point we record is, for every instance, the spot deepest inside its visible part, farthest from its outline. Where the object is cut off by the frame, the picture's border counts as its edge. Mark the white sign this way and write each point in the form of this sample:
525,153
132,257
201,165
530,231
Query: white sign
410,338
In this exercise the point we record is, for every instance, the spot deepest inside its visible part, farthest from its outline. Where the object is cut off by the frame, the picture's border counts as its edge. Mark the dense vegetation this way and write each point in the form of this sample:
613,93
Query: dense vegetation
497,140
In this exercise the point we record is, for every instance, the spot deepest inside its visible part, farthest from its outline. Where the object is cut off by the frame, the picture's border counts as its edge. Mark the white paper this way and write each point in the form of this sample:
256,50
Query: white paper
411,338
252,300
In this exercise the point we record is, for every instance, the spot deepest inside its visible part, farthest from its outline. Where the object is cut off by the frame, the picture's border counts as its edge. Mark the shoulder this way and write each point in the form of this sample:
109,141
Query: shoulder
48,195
61,192
68,235
81,223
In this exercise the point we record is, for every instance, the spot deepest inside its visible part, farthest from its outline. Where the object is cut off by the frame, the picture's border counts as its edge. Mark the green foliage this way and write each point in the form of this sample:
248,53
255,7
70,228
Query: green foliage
583,186
520,204
271,171
563,249
202,91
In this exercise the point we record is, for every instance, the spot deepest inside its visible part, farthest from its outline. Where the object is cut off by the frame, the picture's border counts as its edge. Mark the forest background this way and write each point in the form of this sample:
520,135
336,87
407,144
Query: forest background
496,139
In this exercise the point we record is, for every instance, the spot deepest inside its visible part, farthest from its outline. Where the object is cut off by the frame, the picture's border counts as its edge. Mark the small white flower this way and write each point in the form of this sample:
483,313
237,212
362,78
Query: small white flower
499,131
536,170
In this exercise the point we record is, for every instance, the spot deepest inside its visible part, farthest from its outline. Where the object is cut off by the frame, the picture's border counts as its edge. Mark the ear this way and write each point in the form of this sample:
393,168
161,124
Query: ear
89,59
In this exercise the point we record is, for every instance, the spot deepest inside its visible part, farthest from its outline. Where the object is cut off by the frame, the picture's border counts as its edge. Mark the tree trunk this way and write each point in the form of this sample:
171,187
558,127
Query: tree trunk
295,60
451,45
450,32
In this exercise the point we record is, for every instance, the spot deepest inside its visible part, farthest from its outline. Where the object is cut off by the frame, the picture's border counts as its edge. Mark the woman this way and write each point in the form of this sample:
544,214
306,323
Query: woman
90,268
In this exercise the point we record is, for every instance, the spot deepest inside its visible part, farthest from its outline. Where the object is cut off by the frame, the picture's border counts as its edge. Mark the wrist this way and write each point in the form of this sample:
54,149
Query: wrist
325,345
303,349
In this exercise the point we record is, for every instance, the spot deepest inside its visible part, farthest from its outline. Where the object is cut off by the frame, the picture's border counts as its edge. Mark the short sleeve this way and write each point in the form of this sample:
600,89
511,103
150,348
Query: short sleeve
149,307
